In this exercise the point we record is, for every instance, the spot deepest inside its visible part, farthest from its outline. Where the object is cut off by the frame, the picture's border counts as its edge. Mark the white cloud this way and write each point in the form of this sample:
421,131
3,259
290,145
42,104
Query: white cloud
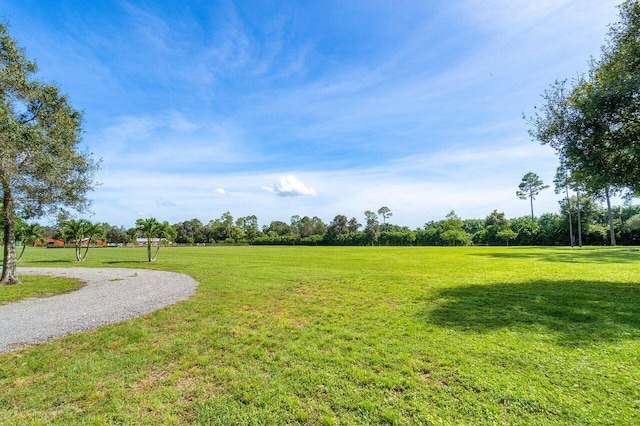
166,203
290,186
417,189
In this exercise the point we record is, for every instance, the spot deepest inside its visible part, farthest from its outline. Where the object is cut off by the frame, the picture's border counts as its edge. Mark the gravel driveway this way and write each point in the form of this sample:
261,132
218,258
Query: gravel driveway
109,296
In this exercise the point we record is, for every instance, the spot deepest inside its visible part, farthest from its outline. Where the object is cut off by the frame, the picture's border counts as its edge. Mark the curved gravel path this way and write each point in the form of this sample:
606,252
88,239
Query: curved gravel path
109,296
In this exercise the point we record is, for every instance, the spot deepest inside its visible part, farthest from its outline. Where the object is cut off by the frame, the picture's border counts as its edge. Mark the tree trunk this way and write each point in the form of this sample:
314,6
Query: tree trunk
24,247
612,231
86,250
570,219
579,218
79,256
531,200
9,261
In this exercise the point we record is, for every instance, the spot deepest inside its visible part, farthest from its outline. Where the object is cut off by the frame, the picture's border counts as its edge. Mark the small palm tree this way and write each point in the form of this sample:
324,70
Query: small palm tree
29,234
150,229
79,231
73,231
92,232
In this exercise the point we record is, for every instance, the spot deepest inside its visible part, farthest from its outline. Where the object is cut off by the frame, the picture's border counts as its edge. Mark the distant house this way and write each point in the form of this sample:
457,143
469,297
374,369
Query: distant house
143,241
97,243
50,243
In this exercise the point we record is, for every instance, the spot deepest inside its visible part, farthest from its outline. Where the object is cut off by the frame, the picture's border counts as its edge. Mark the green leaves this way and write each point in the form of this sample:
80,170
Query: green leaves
594,122
152,229
82,232
41,168
530,186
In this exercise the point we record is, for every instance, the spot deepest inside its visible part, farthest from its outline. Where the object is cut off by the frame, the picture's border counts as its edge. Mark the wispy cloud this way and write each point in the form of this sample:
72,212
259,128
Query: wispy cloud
170,140
417,107
178,122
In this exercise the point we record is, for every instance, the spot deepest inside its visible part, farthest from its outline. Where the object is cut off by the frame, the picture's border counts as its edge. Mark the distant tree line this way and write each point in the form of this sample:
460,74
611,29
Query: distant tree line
549,229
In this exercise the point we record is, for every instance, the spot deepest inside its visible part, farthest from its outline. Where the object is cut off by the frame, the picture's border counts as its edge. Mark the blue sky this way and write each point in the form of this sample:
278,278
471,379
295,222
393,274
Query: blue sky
281,108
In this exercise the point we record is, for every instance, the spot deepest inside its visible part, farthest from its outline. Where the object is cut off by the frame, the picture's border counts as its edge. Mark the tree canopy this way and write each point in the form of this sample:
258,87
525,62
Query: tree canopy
530,186
593,122
152,229
42,169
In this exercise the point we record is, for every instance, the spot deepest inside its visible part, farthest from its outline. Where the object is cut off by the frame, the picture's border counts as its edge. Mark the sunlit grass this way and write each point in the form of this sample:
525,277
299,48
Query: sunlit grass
327,335
37,286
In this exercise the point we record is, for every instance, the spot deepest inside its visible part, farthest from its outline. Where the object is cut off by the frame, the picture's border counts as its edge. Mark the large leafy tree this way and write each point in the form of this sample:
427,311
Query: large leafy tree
114,234
190,231
277,228
613,90
385,213
353,225
530,186
319,227
452,231
371,229
338,226
227,221
594,122
249,226
41,167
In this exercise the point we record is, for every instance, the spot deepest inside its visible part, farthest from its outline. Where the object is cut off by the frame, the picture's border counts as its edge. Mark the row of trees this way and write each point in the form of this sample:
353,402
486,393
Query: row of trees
83,234
495,229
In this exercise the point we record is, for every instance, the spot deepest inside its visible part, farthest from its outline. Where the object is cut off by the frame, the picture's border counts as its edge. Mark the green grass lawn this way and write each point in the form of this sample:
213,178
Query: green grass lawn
328,335
37,286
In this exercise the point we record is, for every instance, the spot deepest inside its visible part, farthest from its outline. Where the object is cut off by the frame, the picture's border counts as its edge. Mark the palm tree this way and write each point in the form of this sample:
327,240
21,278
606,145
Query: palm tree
74,230
29,234
150,229
79,231
92,232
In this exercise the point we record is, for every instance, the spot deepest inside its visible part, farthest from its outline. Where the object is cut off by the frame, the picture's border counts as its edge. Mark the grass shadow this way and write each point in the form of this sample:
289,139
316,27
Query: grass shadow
58,261
569,255
572,312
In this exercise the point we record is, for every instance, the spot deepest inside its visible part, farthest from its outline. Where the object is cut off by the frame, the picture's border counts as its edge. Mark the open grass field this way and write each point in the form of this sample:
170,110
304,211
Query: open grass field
327,335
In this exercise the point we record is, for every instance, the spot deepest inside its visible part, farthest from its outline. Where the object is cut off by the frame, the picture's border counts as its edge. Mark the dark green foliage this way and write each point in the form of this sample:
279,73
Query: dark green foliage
530,187
593,123
41,168
115,235
372,227
397,238
549,229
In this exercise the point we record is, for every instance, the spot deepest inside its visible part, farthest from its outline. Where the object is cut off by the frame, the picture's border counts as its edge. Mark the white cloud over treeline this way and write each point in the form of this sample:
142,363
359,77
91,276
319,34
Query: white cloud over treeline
290,186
